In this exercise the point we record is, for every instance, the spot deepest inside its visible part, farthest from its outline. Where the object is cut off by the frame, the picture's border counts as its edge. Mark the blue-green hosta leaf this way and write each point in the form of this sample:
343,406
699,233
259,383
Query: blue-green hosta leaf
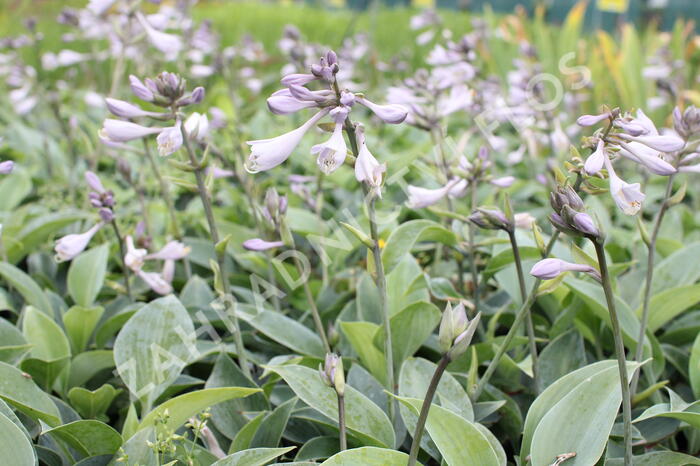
460,441
80,322
694,367
48,341
668,304
285,331
580,421
88,437
367,456
86,275
408,234
253,457
28,288
183,407
553,394
364,419
20,391
15,448
153,347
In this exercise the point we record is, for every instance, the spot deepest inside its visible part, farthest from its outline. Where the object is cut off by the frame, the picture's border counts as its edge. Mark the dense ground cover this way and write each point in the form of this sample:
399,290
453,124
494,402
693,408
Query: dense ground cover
468,239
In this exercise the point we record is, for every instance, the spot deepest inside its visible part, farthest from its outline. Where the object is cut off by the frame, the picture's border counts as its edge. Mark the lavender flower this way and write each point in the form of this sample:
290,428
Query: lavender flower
69,246
257,244
549,269
6,167
367,168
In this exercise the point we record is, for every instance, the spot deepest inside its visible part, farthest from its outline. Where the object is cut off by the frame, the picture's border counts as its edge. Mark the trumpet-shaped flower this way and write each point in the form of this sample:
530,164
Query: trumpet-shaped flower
197,126
283,102
332,153
124,131
70,246
169,44
390,113
268,153
169,140
124,109
367,168
424,197
628,197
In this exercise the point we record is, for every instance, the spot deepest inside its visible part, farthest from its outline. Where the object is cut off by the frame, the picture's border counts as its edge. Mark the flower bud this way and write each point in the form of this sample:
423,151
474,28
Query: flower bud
332,373
490,219
454,322
590,120
463,340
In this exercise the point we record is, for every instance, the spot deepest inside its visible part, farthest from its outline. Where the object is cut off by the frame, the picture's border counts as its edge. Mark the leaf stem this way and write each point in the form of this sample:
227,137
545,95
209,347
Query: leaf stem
528,316
341,423
425,408
619,350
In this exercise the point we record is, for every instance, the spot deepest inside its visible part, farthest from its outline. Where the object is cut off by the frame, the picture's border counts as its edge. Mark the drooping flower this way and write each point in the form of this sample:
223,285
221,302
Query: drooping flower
169,44
197,126
124,131
268,153
124,109
169,140
424,197
367,168
258,244
69,246
390,113
628,197
332,153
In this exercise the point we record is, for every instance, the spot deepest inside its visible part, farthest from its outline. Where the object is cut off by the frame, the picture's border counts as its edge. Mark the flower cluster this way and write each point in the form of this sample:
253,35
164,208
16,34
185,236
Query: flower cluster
456,330
167,90
160,282
466,172
69,246
331,101
636,138
569,215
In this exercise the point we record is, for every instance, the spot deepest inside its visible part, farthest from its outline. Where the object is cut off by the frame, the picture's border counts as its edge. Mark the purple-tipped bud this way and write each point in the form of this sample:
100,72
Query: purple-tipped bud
347,98
140,90
585,224
298,79
548,269
590,120
490,219
332,373
197,95
632,129
106,214
6,167
94,182
331,58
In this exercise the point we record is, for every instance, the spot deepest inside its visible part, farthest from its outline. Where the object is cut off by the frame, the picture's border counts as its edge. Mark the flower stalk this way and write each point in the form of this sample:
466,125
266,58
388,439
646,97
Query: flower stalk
528,315
619,350
220,252
651,248
122,254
